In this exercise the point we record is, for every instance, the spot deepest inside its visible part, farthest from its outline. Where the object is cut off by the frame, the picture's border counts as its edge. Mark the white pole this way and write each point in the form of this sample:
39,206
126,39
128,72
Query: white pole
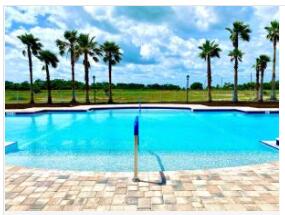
136,143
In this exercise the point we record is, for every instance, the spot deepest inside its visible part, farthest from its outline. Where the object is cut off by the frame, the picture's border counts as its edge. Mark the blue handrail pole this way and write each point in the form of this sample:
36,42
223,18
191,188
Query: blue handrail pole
136,145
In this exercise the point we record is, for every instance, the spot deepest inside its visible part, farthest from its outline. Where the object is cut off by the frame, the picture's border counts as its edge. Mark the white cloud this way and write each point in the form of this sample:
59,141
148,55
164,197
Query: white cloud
12,14
202,17
30,14
98,33
99,12
266,13
147,51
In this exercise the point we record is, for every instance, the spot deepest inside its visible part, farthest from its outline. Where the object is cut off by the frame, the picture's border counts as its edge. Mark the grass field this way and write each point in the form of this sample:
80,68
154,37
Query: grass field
130,96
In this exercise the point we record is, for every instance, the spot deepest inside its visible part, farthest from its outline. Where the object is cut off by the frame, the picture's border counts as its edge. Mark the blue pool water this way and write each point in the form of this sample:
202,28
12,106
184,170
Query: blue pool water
170,139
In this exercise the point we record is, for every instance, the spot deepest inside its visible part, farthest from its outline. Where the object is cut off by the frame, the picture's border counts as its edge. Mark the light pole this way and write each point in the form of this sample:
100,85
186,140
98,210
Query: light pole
250,88
94,88
187,87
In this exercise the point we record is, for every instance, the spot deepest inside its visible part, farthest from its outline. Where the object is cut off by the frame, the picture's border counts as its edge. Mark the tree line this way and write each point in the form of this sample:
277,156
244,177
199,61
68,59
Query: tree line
61,84
84,46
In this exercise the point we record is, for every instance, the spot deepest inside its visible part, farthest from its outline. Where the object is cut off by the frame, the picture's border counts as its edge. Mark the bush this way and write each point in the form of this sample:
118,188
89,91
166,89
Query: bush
24,86
196,86
36,89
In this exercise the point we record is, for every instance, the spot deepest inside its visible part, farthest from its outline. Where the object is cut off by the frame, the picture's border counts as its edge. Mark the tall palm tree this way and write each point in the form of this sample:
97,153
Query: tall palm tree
33,46
48,58
238,31
68,46
88,47
273,36
112,56
256,67
263,60
209,49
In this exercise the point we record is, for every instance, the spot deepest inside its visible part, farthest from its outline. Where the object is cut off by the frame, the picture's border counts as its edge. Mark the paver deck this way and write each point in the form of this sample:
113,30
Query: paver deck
236,189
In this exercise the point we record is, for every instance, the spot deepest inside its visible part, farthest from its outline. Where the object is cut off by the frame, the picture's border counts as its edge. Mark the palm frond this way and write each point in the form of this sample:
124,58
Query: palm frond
48,57
111,52
209,49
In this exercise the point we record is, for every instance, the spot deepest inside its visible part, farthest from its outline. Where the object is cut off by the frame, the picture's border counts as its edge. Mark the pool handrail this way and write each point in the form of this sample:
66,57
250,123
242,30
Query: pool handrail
136,145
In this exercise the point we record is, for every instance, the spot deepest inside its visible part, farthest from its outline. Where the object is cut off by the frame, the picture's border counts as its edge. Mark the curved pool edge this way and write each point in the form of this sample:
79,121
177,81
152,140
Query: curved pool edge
266,165
192,107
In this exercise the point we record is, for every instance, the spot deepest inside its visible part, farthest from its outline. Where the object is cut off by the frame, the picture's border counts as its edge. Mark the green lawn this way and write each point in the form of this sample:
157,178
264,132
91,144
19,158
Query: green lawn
130,96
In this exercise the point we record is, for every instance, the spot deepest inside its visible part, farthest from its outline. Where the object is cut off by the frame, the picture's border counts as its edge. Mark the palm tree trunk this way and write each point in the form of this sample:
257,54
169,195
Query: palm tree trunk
86,78
209,78
110,83
31,76
235,96
273,92
48,85
73,101
257,83
260,99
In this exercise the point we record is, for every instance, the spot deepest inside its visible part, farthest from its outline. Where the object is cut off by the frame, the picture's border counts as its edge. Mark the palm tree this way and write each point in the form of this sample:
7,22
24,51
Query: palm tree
273,36
33,46
68,46
88,47
235,55
238,31
48,58
112,56
263,60
209,50
256,67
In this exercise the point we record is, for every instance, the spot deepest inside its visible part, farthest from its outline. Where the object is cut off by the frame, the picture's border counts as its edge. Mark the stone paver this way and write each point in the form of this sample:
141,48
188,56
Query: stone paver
247,188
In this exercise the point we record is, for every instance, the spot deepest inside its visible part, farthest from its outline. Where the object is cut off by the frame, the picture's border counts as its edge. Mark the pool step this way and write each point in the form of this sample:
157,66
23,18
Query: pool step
11,146
272,143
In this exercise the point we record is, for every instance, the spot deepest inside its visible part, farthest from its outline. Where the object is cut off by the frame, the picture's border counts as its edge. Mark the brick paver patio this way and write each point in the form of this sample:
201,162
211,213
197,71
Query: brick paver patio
239,188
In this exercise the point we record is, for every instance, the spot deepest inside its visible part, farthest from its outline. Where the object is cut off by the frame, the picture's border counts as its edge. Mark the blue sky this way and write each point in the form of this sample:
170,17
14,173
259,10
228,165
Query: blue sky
159,44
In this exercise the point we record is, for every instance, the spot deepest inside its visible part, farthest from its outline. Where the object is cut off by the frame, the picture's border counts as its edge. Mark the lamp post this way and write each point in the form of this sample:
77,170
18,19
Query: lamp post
250,88
187,87
94,89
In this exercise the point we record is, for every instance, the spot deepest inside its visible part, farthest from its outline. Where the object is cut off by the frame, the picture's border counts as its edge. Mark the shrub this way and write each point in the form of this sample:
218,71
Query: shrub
36,89
196,86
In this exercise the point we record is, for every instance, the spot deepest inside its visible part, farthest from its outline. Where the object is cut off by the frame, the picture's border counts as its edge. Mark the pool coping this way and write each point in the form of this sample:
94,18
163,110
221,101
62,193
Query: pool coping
191,107
90,172
270,143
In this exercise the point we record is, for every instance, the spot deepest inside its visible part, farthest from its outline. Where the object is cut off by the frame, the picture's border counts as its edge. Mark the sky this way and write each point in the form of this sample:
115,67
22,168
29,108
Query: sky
159,44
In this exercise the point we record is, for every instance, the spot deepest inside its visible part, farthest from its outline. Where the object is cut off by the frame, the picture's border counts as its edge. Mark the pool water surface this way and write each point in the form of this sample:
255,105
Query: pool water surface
170,139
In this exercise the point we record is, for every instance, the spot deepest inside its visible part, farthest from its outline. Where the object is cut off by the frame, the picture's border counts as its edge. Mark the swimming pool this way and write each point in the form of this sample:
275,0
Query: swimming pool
170,139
